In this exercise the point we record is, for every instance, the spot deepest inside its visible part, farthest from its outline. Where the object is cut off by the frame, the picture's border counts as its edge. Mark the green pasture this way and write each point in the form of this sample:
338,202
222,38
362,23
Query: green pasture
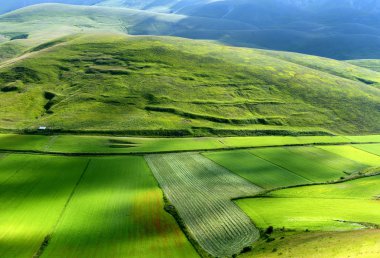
110,144
357,243
103,207
299,163
117,211
371,148
259,171
344,206
33,192
354,154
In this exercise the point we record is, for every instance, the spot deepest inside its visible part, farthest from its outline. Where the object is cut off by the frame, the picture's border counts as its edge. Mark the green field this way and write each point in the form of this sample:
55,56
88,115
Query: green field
201,191
111,208
77,144
371,148
345,206
33,193
281,167
259,171
358,243
354,154
299,163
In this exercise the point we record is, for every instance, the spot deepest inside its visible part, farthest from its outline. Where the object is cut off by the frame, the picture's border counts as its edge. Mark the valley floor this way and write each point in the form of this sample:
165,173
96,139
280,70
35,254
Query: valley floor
100,196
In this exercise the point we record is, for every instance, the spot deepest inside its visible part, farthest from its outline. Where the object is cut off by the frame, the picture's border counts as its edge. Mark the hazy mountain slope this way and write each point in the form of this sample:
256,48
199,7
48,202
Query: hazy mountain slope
48,21
373,64
342,29
10,5
115,82
349,69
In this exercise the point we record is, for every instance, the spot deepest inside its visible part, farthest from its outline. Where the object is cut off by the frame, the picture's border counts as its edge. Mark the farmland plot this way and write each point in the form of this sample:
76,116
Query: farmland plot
118,211
344,206
300,163
355,154
260,172
371,148
33,193
201,192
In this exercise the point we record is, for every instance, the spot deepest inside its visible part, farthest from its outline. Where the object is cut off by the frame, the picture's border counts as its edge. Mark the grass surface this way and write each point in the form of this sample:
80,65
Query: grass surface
259,171
113,208
300,163
359,243
354,154
72,84
373,64
344,206
108,144
371,148
201,191
33,193
117,211
273,168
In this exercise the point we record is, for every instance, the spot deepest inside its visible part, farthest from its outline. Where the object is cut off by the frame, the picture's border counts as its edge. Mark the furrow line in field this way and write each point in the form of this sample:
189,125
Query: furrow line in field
201,192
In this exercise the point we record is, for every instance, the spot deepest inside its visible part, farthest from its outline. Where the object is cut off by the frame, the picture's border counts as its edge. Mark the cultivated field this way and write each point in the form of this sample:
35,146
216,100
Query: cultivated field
81,207
259,171
201,191
76,144
99,206
300,163
344,206
355,154
33,192
371,148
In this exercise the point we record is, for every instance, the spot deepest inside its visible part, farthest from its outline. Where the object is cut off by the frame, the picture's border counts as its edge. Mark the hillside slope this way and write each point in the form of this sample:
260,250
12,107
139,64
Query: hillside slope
341,30
372,64
30,26
344,29
164,85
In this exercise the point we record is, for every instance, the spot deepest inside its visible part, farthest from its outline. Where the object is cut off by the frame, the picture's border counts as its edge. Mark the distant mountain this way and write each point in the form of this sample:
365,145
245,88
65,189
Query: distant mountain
340,29
7,6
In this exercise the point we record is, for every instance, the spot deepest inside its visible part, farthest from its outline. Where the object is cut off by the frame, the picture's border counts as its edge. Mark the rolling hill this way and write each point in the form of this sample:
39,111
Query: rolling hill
30,26
372,64
106,82
344,29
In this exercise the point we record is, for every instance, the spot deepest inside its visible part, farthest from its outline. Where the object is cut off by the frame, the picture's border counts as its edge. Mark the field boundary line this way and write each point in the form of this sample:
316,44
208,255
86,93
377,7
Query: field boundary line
99,154
48,237
367,151
277,165
339,181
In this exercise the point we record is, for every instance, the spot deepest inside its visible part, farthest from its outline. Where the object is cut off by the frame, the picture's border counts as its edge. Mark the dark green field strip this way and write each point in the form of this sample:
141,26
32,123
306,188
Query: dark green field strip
117,210
32,198
75,145
374,149
302,165
10,165
259,171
